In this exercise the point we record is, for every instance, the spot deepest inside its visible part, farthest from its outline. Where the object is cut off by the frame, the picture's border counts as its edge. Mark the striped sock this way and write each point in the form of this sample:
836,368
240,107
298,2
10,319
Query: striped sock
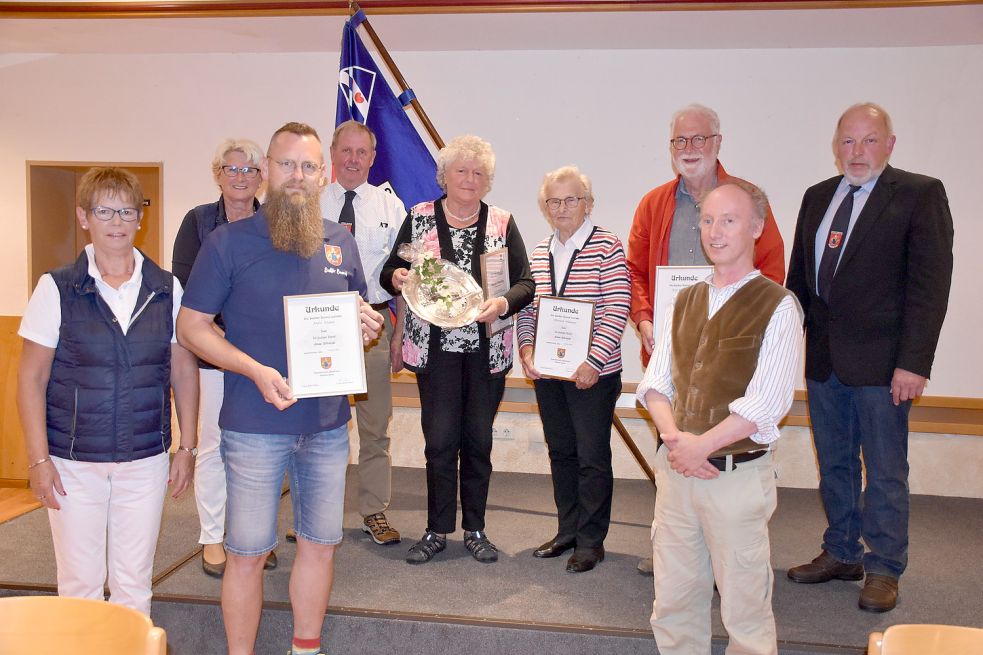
306,646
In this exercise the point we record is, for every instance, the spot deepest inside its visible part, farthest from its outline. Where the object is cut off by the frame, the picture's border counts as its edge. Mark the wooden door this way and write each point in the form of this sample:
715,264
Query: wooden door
53,231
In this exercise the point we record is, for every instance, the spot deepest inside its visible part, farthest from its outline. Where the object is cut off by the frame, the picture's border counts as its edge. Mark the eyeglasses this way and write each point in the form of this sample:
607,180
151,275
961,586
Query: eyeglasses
698,141
126,214
571,202
308,168
248,172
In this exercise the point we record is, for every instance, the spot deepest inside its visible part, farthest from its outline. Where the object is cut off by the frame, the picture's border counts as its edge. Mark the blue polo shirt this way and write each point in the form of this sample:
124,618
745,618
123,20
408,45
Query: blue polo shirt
238,273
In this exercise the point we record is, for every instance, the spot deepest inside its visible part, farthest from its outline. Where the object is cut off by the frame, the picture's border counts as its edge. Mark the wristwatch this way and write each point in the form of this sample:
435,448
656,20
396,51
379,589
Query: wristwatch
193,451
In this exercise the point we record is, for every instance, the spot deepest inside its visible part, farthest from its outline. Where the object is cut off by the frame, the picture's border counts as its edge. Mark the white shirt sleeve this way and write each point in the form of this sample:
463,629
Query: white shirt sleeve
770,393
178,294
41,322
658,374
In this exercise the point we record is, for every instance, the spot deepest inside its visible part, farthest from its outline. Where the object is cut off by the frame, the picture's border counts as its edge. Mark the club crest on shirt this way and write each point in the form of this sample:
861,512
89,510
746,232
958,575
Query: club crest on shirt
561,353
333,254
326,363
835,239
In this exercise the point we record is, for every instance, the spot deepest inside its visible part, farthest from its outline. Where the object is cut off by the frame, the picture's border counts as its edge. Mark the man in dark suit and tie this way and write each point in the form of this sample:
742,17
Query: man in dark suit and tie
871,265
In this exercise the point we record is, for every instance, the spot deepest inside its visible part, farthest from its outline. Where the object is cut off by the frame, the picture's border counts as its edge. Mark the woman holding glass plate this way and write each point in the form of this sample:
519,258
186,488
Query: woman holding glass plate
583,262
460,370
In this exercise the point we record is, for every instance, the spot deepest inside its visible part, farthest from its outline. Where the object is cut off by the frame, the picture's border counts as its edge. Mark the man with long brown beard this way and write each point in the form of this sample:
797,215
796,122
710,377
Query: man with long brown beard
243,271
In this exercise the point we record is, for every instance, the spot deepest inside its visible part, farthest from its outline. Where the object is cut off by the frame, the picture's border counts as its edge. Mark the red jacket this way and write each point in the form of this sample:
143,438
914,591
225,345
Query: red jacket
648,246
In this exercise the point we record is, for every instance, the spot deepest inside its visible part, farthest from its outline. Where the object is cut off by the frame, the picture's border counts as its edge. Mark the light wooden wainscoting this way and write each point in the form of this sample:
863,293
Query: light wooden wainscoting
13,458
931,414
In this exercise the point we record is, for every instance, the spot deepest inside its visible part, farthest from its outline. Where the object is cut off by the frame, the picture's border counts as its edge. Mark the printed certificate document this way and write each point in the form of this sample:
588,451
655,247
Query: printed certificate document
324,345
670,280
563,333
495,282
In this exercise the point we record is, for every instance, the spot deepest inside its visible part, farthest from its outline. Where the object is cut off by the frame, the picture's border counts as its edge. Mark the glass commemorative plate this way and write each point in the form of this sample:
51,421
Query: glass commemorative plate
438,291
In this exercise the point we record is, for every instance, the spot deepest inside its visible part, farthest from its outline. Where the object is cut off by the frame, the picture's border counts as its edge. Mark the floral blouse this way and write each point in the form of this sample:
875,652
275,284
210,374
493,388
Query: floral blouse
462,339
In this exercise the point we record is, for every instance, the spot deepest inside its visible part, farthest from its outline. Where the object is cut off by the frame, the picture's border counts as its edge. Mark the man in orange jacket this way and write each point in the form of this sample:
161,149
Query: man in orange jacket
666,230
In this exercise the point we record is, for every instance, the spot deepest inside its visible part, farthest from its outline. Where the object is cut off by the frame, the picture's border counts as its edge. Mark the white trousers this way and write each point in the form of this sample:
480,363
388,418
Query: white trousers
209,467
108,523
706,531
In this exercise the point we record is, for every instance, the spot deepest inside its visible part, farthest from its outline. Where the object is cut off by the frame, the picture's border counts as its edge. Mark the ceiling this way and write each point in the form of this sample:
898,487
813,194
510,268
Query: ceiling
689,29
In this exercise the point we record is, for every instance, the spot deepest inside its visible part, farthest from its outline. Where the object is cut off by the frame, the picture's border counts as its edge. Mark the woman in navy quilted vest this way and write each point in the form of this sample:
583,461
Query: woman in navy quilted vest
100,358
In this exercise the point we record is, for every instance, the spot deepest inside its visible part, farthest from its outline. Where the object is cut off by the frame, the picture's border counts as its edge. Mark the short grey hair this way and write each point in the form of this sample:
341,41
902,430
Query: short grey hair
353,125
695,108
873,108
759,201
563,174
466,148
252,151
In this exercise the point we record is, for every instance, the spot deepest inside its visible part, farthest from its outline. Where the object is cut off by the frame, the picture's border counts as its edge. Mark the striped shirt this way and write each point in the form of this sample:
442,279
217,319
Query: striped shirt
597,273
770,392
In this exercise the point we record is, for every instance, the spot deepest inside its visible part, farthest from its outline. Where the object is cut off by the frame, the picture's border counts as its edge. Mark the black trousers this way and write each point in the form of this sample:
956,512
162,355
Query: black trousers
577,424
458,403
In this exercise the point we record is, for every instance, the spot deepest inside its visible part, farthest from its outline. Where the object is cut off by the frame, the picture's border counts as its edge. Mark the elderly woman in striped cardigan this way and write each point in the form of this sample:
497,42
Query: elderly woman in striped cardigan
580,261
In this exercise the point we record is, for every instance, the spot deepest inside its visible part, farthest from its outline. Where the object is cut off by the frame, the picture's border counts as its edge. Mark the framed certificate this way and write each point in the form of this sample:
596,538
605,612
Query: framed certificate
324,345
563,332
670,280
495,282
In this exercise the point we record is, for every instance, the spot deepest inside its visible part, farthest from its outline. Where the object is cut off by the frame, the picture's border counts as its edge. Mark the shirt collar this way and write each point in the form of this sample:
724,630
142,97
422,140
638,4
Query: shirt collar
338,192
735,285
90,252
681,189
576,240
867,186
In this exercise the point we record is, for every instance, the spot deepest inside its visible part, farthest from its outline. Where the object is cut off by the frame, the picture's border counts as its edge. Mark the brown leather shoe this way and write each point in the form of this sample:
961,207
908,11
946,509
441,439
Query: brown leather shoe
880,593
825,568
585,559
271,561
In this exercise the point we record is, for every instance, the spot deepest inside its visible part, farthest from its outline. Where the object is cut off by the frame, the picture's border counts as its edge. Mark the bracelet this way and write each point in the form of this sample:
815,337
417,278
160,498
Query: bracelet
38,463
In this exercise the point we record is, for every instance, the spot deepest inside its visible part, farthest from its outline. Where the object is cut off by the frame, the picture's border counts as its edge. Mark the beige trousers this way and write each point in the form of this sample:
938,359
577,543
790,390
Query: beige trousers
373,411
706,531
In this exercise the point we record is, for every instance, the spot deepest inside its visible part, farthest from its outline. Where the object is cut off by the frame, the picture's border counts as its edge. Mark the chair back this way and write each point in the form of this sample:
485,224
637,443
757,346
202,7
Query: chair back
926,639
81,626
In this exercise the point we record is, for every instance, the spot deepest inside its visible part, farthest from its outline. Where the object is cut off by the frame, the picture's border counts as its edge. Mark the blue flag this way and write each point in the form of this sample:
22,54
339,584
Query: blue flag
401,160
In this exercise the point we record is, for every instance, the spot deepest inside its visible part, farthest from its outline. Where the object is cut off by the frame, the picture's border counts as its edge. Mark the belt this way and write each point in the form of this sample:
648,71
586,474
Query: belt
379,306
730,462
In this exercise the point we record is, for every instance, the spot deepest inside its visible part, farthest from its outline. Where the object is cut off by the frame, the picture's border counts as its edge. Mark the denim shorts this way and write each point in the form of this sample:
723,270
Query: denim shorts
254,468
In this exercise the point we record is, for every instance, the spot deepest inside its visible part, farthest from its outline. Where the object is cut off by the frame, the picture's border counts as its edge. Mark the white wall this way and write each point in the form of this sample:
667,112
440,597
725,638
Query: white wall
605,110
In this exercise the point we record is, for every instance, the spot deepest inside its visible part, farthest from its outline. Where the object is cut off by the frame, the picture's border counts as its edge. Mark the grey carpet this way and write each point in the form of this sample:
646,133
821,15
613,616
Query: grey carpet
941,586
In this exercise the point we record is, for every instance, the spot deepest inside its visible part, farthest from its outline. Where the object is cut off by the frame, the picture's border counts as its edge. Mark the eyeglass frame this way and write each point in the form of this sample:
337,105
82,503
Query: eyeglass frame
686,140
230,171
289,166
553,204
139,213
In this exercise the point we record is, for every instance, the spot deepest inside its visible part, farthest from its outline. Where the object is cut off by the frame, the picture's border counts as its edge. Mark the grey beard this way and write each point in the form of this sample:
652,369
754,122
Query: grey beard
295,222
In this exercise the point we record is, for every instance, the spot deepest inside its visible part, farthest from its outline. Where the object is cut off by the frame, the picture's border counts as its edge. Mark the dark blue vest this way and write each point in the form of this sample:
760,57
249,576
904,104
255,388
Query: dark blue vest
109,396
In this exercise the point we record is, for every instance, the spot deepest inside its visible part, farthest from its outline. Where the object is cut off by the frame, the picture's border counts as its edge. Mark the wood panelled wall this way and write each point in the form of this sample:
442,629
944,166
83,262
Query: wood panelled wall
13,458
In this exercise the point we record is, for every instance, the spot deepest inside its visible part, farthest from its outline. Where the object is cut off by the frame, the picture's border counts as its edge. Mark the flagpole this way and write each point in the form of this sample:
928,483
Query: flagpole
403,86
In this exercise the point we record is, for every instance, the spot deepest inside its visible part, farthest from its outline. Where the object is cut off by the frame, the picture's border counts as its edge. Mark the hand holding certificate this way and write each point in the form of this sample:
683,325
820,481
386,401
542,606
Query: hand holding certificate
324,344
495,284
563,334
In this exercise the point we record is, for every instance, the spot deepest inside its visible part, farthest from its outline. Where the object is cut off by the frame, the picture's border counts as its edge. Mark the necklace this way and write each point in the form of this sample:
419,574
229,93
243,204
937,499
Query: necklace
458,218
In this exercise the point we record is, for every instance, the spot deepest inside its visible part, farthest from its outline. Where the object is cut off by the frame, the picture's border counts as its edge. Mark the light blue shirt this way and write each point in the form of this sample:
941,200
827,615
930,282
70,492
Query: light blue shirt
859,200
685,248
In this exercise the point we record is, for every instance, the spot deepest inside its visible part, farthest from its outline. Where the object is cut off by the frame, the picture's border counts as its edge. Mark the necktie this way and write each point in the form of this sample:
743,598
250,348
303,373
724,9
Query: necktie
834,243
347,216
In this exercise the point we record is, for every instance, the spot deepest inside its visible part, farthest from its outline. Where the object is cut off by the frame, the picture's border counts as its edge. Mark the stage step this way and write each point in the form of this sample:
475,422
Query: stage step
195,628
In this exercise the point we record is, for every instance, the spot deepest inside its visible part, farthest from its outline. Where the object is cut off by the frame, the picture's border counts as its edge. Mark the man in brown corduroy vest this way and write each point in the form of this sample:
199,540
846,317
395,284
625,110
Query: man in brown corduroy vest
716,387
